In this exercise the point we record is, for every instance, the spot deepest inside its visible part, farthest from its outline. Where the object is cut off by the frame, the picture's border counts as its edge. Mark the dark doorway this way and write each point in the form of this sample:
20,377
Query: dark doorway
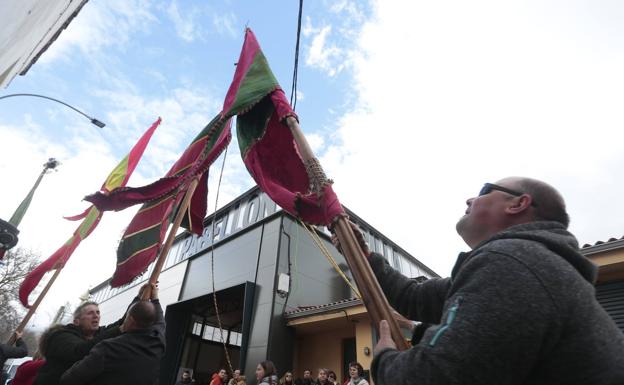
349,355
195,342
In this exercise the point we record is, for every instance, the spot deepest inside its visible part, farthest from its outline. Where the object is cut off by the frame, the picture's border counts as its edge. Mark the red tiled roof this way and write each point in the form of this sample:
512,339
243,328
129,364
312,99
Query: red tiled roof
602,242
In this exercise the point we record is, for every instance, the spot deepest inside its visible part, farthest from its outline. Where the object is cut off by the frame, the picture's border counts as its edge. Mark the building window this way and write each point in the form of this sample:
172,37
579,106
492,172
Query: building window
405,266
235,338
218,332
379,246
394,257
208,333
197,328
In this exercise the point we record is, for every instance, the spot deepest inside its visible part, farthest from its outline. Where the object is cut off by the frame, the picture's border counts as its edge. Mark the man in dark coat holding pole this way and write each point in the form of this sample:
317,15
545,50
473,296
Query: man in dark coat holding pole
74,341
133,358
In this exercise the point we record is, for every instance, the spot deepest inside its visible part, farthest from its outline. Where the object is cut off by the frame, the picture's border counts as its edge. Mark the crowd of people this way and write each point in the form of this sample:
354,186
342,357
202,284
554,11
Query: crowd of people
515,310
267,374
129,351
83,352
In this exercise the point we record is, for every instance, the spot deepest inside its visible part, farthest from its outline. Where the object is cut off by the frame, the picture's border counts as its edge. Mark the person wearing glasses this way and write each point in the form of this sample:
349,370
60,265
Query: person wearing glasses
519,308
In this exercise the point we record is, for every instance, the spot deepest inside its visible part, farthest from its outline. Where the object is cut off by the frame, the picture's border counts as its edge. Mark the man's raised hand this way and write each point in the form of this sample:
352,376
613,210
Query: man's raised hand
358,235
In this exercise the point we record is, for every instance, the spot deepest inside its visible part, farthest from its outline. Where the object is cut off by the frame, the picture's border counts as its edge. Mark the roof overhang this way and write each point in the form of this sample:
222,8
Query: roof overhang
610,260
336,315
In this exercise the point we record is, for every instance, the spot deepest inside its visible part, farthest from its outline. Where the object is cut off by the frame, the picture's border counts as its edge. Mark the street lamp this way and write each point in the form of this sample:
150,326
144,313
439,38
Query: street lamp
8,229
92,120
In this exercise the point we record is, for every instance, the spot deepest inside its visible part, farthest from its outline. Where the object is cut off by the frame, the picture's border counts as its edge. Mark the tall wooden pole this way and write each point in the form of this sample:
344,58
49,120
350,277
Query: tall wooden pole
15,220
35,305
160,262
373,297
155,273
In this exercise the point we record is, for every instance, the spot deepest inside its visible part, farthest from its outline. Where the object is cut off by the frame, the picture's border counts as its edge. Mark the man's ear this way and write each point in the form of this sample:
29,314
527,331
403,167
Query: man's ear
76,321
519,204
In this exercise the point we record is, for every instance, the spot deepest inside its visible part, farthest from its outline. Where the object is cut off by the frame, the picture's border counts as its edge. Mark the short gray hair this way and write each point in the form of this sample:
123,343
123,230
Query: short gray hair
549,204
79,310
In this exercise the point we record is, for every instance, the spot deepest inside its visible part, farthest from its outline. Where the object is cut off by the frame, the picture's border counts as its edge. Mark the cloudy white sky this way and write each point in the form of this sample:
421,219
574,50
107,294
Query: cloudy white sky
411,107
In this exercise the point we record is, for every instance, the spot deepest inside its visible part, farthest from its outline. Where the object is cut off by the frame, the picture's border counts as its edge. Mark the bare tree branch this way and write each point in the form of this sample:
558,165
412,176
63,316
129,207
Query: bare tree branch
17,263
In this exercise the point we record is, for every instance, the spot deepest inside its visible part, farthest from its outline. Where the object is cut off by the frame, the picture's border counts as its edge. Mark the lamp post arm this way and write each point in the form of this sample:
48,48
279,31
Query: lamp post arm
93,120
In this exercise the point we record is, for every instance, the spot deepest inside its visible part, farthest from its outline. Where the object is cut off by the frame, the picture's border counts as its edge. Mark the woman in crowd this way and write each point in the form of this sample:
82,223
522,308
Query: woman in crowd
266,373
321,379
27,372
356,372
331,377
287,379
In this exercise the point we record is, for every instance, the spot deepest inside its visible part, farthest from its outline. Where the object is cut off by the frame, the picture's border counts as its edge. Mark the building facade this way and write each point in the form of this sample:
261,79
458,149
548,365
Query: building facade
28,28
609,257
268,299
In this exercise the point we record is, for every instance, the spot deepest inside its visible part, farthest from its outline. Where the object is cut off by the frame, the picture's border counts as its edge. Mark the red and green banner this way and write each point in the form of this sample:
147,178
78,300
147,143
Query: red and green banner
143,238
269,152
266,142
91,217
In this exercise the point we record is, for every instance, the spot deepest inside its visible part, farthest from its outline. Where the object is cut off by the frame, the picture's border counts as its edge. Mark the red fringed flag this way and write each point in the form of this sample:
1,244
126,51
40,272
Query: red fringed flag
268,150
266,143
117,178
142,239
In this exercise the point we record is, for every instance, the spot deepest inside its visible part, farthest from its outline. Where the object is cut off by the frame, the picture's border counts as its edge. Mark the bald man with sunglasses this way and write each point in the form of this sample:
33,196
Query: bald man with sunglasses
519,308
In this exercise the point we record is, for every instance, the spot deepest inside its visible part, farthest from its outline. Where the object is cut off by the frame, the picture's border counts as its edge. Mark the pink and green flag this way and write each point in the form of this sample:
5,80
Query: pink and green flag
266,142
143,238
268,151
91,217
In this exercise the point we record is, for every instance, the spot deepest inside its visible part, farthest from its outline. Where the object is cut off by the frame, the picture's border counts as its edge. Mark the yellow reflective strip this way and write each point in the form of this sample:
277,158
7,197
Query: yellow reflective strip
142,230
135,253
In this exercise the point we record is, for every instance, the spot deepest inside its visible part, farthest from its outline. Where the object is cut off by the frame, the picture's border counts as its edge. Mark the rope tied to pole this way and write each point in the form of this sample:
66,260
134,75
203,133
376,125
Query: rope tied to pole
212,270
319,243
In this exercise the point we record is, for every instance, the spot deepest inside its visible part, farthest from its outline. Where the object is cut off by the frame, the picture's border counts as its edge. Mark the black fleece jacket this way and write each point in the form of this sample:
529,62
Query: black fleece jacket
133,358
68,345
518,309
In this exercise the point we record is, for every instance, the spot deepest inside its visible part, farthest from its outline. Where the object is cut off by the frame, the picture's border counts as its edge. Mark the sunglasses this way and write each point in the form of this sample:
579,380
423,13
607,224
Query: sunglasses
489,187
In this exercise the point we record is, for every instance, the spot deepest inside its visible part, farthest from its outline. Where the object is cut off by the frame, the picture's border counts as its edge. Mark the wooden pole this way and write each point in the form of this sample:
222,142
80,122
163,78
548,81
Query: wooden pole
35,305
373,297
155,273
182,210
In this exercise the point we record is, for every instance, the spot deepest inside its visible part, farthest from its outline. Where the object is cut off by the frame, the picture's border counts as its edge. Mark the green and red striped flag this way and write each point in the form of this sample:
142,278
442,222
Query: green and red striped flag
143,238
267,144
268,151
91,217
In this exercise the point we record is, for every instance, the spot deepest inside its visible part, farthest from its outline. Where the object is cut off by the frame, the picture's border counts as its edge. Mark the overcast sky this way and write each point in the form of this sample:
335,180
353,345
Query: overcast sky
411,107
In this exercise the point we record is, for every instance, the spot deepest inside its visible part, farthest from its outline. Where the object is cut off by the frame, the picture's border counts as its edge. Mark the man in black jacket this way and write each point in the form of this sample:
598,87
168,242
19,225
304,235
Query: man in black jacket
519,308
306,380
133,358
73,342
7,351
